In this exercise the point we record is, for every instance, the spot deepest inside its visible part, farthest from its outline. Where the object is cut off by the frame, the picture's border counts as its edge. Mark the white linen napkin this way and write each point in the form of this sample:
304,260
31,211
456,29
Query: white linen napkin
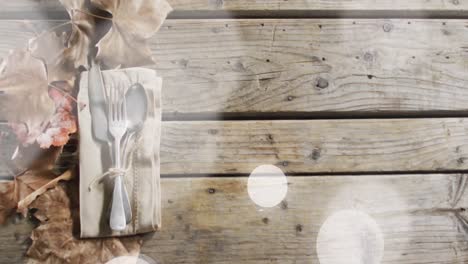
142,178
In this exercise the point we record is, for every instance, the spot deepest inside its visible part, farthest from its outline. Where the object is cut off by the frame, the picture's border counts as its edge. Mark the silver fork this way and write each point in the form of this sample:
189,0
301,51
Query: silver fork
118,124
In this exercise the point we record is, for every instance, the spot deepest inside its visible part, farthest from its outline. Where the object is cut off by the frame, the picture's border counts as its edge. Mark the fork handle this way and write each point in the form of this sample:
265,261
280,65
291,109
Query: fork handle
117,217
118,220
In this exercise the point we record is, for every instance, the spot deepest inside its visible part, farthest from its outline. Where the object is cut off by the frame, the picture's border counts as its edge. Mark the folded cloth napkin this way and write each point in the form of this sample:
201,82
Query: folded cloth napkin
142,177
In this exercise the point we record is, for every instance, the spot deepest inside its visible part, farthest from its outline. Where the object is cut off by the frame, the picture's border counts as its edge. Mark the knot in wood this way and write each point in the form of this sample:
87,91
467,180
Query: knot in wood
321,83
387,27
284,205
315,155
298,228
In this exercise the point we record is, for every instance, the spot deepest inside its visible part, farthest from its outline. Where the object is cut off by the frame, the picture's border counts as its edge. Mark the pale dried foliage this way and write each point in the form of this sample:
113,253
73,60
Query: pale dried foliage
83,28
51,49
33,169
37,85
133,23
17,195
24,94
54,240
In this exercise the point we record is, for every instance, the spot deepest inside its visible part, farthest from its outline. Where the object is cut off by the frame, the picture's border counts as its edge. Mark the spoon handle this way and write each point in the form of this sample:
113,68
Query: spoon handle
126,204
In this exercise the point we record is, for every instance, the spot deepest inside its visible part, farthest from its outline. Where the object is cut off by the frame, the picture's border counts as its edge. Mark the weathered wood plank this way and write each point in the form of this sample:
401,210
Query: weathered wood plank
14,241
212,220
415,214
314,67
315,145
44,8
317,5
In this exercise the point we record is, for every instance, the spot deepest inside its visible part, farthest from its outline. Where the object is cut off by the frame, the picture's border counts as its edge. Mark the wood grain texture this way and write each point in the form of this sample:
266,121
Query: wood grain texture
14,240
230,5
213,220
315,145
44,8
314,67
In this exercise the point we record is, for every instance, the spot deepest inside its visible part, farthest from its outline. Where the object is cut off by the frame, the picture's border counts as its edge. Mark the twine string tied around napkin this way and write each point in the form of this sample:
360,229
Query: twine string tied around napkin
111,172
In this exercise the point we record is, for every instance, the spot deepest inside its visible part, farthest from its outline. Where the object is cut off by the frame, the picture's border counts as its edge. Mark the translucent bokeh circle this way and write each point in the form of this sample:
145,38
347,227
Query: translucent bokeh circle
350,237
267,186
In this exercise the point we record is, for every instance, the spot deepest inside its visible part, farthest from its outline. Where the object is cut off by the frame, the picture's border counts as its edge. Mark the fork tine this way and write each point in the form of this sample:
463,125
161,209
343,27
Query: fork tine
124,103
109,104
114,109
119,102
116,103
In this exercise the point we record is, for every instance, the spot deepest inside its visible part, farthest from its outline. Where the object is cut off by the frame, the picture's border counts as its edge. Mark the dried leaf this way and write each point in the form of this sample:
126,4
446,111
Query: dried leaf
82,30
24,96
7,200
52,49
62,123
53,240
31,183
59,127
133,23
40,184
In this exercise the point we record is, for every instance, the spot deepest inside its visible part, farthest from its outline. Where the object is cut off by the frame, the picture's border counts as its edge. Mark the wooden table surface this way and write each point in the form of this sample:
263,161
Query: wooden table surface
363,104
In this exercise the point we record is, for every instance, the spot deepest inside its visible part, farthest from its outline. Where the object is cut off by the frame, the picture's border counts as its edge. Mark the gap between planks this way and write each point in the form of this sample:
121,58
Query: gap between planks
258,116
269,14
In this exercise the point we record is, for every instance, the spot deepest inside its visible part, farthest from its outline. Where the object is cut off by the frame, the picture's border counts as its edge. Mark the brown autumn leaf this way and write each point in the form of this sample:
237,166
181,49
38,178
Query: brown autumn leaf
79,41
63,122
30,181
21,192
133,23
53,241
7,200
60,125
24,96
34,183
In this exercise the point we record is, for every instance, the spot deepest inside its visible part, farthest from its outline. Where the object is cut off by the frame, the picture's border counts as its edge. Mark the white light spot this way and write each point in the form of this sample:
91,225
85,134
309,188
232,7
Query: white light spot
267,185
350,237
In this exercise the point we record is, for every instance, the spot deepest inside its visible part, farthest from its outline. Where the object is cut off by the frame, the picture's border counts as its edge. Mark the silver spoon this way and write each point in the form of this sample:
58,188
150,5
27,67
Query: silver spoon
137,108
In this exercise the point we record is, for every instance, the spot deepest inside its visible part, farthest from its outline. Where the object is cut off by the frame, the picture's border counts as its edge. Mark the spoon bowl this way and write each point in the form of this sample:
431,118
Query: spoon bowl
137,107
